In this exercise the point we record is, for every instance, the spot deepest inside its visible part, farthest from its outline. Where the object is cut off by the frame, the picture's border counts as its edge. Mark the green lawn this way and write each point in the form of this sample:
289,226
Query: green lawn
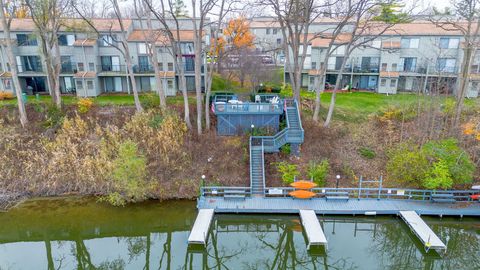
350,107
105,100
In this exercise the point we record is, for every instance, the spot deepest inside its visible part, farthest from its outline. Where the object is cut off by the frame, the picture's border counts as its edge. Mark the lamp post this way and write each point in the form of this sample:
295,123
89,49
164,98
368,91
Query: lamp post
251,129
203,179
338,179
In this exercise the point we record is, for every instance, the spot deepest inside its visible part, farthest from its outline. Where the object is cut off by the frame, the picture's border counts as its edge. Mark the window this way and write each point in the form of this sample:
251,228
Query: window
446,64
383,82
370,64
376,44
26,40
90,85
145,84
29,63
66,64
274,31
268,31
187,47
142,48
279,41
189,63
106,40
410,43
393,82
314,65
79,84
384,66
170,84
66,40
91,66
409,64
143,63
81,67
160,66
394,67
449,43
170,66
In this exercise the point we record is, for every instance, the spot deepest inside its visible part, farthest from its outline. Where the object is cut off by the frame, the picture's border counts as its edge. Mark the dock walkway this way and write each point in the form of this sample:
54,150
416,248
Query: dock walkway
429,239
199,232
288,205
313,230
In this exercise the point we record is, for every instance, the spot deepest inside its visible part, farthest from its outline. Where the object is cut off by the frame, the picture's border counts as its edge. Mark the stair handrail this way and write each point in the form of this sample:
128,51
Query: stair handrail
251,186
263,169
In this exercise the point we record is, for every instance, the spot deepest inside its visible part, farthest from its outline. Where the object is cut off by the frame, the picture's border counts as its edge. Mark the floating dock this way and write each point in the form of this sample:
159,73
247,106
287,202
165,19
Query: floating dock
313,230
199,232
428,238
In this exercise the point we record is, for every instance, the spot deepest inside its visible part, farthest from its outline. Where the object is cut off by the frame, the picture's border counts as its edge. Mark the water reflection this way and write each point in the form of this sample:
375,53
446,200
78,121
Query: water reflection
80,234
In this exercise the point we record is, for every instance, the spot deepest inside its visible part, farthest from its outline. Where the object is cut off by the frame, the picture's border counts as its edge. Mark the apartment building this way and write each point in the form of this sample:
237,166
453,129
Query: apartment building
90,62
417,56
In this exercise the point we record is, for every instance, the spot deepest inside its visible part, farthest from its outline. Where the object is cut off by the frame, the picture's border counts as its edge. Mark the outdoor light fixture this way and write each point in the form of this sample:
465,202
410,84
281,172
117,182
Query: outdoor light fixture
338,179
252,126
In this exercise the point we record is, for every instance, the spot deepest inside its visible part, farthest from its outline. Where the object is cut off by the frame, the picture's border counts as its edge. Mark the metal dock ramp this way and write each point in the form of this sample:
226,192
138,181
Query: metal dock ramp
313,230
199,232
428,238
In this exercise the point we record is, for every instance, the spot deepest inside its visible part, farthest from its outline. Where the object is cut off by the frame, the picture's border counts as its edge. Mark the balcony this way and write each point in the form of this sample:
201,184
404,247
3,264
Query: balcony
29,69
112,68
69,68
143,69
366,69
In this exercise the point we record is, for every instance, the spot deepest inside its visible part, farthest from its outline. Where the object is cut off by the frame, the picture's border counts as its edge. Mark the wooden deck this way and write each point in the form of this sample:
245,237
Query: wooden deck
287,205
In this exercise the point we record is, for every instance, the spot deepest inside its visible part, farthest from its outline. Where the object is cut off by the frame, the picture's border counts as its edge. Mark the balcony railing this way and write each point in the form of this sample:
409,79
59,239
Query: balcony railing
143,69
26,69
112,68
69,68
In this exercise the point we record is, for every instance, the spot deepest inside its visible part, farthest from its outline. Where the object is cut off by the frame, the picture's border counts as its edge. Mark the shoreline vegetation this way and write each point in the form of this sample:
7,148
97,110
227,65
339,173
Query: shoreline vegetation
101,147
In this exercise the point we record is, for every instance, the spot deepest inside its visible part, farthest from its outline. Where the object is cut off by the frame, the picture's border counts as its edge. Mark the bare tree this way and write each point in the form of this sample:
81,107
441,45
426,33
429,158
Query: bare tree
121,44
166,13
6,24
343,16
295,18
47,16
151,37
202,9
466,20
370,20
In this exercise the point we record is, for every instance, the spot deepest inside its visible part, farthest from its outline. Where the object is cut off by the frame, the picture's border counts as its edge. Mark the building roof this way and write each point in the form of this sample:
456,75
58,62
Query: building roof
89,42
85,74
161,37
323,42
71,25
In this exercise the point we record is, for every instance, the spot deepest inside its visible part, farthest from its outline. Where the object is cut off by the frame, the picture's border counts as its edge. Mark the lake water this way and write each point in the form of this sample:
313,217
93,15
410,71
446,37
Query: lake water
83,234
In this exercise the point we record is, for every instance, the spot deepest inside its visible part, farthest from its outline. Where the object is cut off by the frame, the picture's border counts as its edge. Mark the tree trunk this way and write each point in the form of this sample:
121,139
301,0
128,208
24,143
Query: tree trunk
13,67
334,93
56,72
183,89
197,43
154,61
318,92
462,89
128,61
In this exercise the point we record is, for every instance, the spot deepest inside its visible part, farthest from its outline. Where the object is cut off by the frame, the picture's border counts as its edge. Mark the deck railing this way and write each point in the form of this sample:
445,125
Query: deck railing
215,191
248,108
378,193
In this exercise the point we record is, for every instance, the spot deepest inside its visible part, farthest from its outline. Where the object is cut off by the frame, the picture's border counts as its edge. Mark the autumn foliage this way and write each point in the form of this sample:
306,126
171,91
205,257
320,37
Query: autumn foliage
238,33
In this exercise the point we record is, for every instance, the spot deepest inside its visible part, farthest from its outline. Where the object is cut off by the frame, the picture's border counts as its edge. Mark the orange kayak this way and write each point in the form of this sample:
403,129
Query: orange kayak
303,184
475,197
302,194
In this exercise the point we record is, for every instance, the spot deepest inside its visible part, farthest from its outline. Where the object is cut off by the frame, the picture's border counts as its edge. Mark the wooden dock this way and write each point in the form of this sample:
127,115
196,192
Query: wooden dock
199,232
313,230
321,206
428,238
